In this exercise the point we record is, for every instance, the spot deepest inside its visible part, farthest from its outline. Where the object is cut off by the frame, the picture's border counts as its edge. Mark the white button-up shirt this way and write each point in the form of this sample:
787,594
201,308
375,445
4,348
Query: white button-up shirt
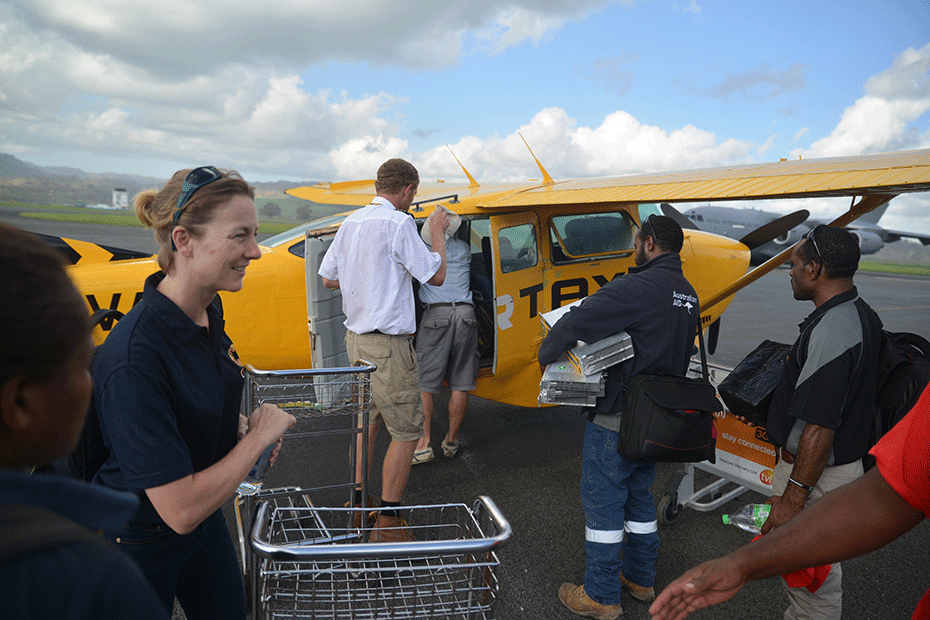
374,255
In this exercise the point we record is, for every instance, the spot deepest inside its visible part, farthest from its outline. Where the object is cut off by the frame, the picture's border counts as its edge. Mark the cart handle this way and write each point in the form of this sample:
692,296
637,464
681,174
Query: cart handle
361,366
361,551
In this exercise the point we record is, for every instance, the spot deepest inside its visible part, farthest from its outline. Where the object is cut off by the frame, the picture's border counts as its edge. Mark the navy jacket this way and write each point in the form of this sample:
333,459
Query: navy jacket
74,580
655,305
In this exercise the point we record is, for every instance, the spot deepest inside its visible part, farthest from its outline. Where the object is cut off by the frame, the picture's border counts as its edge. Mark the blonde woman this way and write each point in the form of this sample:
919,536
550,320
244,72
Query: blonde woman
168,387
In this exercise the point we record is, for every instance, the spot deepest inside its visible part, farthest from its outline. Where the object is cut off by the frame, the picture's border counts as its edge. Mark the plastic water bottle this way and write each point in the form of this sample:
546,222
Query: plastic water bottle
253,482
750,517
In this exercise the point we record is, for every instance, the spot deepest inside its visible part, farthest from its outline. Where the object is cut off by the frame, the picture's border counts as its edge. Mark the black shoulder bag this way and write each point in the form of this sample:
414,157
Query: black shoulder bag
669,419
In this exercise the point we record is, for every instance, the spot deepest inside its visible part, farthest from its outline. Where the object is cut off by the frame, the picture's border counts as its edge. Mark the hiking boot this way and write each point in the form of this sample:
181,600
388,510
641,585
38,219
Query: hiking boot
575,598
640,593
389,529
357,513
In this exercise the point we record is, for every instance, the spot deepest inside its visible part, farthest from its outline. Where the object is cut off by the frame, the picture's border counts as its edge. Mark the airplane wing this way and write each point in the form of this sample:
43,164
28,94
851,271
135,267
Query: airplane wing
887,173
889,236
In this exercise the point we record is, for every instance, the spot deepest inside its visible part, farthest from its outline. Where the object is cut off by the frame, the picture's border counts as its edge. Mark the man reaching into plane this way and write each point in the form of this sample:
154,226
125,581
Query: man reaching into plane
658,308
447,342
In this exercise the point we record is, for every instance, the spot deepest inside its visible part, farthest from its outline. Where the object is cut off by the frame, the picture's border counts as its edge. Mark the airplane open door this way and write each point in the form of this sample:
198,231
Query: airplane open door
517,282
325,319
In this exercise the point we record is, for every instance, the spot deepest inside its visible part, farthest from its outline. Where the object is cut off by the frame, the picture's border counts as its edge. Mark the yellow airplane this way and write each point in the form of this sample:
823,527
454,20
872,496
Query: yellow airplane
536,246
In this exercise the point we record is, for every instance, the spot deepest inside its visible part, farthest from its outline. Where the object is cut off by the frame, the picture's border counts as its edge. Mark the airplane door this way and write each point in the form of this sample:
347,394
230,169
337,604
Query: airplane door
517,284
325,319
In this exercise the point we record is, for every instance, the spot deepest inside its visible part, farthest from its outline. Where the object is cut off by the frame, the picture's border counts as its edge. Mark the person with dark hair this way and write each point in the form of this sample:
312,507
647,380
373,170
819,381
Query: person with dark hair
822,410
658,308
373,258
864,515
52,563
168,386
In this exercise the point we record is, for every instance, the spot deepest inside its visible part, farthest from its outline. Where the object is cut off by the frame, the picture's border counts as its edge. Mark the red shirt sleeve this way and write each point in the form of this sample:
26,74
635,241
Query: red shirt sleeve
903,455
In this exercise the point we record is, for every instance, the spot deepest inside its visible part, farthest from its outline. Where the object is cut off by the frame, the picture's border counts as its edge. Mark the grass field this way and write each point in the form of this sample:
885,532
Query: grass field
63,213
913,270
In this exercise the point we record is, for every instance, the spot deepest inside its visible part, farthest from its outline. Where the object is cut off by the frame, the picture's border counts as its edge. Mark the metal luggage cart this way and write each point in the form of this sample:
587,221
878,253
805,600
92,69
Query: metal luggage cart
745,461
311,396
314,563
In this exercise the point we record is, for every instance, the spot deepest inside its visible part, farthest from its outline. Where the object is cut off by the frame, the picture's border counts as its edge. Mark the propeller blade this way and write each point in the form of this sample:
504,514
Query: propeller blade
713,334
774,229
676,215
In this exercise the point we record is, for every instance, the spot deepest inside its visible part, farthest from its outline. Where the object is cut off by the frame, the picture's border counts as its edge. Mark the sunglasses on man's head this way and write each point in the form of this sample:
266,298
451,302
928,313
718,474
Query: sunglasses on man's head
195,179
812,235
648,220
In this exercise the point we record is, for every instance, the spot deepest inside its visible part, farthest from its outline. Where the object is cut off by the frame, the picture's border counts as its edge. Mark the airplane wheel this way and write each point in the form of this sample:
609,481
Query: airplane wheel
668,510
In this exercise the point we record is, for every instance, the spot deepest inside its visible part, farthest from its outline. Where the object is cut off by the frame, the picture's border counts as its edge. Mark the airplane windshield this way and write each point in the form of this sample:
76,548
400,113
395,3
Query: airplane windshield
588,234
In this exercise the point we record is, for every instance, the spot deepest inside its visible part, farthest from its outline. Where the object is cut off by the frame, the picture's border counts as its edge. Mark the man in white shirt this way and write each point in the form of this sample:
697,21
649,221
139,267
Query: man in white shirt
373,259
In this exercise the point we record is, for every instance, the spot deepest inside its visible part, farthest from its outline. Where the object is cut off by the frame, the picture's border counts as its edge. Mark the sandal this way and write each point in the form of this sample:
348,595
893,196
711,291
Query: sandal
450,448
423,456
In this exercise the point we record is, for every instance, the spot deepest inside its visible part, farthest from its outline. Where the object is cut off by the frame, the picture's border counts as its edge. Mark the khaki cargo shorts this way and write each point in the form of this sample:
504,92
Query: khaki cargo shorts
395,394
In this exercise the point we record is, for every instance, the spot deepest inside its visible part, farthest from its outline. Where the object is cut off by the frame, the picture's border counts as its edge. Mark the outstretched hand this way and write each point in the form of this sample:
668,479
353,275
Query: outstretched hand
710,583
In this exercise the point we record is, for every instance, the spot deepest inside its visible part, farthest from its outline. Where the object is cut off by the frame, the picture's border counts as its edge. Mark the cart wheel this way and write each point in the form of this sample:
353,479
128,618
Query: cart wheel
668,510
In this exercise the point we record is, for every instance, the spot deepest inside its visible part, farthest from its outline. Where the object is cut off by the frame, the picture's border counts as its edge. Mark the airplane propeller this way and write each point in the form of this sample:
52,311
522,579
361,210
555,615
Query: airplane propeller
678,216
774,229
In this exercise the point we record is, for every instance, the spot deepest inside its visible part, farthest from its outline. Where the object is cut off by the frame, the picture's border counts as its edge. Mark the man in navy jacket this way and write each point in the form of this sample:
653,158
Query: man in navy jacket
659,309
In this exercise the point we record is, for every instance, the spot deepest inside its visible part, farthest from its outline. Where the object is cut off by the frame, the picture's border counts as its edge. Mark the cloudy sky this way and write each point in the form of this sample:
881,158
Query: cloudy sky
311,90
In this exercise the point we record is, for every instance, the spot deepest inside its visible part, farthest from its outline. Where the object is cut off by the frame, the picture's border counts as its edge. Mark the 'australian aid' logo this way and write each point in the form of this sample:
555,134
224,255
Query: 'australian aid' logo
765,476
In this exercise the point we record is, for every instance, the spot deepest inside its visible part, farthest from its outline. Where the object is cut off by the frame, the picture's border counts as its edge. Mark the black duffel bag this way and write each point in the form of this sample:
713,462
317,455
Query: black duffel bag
669,419
747,390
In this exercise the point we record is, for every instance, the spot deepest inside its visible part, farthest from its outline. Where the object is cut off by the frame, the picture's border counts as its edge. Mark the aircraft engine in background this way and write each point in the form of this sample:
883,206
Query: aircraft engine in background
792,236
869,242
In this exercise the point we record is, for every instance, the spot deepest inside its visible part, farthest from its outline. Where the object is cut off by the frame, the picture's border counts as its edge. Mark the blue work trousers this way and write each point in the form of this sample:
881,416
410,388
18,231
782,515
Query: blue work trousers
620,515
200,568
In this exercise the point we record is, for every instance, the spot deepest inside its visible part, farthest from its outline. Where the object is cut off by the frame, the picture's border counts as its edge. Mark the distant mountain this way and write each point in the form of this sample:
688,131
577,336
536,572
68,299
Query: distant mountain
22,181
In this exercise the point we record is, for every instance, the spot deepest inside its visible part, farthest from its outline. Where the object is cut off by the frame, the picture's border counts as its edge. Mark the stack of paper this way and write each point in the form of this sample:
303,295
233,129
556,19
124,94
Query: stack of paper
592,358
563,384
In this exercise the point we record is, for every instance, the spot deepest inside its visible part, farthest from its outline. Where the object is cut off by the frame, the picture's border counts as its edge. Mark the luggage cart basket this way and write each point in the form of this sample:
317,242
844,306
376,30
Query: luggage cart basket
309,395
314,562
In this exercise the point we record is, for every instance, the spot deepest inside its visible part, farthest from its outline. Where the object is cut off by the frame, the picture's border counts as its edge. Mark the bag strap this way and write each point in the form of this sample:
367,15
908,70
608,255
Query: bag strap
29,528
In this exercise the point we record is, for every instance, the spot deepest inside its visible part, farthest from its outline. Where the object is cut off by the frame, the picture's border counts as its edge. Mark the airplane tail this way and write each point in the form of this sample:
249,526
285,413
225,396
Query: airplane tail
872,217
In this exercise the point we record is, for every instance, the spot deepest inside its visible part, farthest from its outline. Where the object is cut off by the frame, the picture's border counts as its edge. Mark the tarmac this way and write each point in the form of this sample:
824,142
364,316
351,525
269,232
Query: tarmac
529,462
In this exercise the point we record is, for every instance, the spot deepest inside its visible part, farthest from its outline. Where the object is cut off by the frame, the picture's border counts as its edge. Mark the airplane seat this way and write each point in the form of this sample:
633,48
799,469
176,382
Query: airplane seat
486,255
579,237
483,298
509,260
616,235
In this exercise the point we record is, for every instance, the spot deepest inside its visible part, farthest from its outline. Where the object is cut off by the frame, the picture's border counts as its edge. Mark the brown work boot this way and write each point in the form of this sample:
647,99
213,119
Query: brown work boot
575,598
389,529
357,516
640,593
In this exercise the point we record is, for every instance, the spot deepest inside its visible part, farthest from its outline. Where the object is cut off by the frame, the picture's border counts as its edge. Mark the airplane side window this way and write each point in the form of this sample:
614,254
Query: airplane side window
517,247
590,234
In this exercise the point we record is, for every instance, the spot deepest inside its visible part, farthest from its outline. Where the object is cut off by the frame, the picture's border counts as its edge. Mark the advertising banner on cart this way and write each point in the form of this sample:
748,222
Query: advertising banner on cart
743,451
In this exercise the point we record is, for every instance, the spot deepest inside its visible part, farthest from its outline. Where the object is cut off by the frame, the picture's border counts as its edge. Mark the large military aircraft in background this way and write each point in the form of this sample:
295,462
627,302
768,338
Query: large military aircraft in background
737,222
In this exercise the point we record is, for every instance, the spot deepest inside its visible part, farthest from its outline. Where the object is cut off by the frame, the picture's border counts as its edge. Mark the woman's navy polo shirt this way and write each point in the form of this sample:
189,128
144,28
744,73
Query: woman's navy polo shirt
168,395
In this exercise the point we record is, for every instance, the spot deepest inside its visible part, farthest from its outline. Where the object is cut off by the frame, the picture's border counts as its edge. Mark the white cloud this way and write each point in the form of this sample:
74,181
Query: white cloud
882,120
619,145
219,80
